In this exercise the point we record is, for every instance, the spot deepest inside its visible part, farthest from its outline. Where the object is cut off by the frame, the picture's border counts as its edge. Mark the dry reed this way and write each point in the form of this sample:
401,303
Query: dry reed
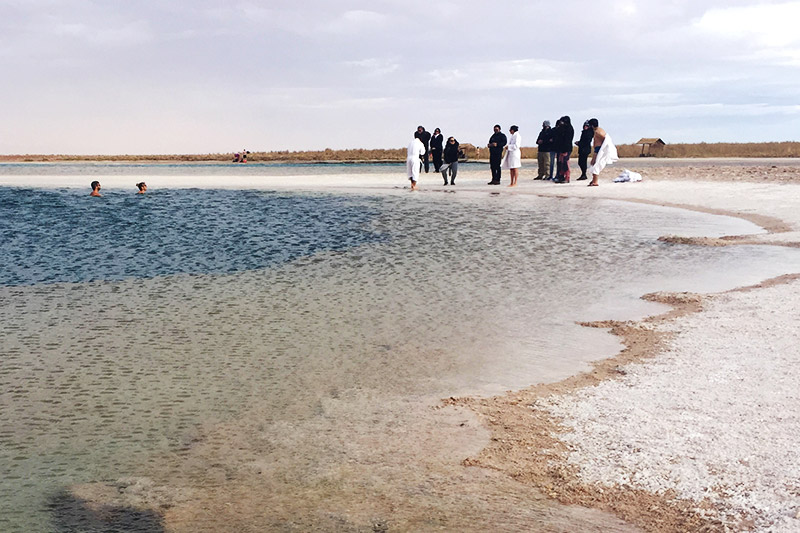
767,149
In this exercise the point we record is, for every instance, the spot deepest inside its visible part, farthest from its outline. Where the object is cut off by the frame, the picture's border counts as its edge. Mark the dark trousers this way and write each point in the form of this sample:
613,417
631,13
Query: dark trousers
494,164
437,159
583,162
425,161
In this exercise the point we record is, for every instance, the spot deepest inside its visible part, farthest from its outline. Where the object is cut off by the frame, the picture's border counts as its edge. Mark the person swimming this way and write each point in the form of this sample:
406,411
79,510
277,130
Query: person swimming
95,189
142,187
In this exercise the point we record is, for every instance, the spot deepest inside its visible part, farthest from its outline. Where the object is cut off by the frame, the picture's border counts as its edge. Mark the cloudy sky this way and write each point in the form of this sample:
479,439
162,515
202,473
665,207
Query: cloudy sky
199,76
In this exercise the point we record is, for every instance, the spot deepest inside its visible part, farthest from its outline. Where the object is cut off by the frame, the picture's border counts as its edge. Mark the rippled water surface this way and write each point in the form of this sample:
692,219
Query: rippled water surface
133,325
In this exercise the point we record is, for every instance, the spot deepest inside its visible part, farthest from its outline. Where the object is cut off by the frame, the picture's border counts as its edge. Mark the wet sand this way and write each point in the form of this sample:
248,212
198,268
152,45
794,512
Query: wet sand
521,443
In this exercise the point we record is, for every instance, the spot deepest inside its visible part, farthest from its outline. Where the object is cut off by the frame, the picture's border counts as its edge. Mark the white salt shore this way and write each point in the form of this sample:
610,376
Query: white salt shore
716,417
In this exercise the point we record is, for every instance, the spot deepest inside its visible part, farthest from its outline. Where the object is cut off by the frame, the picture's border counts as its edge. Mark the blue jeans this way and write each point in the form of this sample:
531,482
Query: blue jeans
553,157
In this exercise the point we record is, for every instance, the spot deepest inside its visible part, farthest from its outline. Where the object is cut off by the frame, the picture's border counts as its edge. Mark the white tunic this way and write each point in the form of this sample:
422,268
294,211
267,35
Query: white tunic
606,156
513,157
413,162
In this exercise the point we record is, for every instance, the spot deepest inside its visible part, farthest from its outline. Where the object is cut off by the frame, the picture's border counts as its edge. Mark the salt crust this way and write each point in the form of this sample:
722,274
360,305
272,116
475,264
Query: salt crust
714,417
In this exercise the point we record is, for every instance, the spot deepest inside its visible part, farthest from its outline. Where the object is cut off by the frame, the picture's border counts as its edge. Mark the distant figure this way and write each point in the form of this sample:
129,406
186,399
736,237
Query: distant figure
436,149
244,156
416,151
605,153
425,139
585,148
563,146
496,144
513,159
450,166
543,146
236,157
95,189
551,149
142,187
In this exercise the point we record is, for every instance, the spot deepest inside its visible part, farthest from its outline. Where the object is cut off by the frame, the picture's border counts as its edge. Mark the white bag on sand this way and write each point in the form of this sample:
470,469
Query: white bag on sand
628,175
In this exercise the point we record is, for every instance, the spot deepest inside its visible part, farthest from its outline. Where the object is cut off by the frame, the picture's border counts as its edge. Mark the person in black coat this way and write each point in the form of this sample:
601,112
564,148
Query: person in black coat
543,143
496,144
451,150
436,149
585,148
563,147
425,137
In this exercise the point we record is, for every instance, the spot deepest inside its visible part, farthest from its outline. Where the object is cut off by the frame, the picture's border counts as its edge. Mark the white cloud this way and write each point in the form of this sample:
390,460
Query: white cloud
355,21
374,66
765,25
512,74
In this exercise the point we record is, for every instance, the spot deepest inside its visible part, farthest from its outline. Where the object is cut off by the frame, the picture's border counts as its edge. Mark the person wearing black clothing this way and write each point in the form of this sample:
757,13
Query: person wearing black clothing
585,148
436,149
543,142
563,147
450,160
425,138
496,144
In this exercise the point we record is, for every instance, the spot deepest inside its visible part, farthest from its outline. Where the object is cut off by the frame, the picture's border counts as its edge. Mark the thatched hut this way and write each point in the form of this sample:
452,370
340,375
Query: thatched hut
654,147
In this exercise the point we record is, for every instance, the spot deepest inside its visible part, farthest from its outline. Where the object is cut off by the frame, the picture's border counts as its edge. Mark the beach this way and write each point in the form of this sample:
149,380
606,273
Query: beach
690,427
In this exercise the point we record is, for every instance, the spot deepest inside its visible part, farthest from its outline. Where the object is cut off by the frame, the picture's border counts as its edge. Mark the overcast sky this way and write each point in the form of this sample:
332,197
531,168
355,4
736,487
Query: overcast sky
199,76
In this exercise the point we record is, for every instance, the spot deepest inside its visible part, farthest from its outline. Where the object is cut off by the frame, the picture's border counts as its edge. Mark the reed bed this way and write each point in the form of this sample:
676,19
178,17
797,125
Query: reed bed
472,152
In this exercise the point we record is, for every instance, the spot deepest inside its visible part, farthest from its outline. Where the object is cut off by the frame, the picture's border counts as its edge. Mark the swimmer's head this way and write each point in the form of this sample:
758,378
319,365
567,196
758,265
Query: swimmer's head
142,186
95,185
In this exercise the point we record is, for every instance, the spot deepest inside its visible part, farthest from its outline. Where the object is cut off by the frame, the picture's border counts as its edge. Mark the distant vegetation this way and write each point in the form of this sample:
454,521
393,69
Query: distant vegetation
774,149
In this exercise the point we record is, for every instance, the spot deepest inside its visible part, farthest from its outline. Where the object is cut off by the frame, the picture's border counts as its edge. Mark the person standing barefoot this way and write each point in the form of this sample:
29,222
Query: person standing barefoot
416,150
513,159
605,153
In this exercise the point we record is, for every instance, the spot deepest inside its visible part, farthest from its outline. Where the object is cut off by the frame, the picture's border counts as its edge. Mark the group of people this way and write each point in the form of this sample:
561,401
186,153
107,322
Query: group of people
240,157
425,147
555,148
555,145
142,186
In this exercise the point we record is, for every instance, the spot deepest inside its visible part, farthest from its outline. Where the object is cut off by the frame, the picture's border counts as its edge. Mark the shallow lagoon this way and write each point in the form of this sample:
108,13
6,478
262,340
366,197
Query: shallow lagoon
108,370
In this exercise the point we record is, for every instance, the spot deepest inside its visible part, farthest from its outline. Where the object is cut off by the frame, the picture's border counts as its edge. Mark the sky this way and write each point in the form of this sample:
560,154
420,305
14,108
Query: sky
201,76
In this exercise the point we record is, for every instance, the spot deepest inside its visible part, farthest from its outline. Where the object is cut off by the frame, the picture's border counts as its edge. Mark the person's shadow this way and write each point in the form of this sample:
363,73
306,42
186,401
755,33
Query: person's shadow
70,514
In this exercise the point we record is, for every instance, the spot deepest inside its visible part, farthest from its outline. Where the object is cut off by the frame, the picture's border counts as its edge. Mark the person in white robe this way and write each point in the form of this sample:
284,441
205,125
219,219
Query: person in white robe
413,161
512,161
605,153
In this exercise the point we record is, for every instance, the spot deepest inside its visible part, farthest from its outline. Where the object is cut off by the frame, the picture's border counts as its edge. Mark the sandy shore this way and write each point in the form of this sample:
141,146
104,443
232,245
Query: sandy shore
691,428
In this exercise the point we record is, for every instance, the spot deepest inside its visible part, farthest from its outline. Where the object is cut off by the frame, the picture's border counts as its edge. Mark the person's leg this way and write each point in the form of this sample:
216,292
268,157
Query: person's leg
453,172
583,159
437,160
594,183
514,173
559,169
552,163
566,166
543,159
425,162
494,165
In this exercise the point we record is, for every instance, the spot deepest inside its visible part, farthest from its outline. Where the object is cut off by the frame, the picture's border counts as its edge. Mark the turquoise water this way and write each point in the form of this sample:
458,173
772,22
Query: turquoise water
49,236
133,327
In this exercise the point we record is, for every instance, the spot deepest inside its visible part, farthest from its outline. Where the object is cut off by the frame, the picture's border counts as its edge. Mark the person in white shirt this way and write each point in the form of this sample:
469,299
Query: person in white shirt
513,158
416,150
